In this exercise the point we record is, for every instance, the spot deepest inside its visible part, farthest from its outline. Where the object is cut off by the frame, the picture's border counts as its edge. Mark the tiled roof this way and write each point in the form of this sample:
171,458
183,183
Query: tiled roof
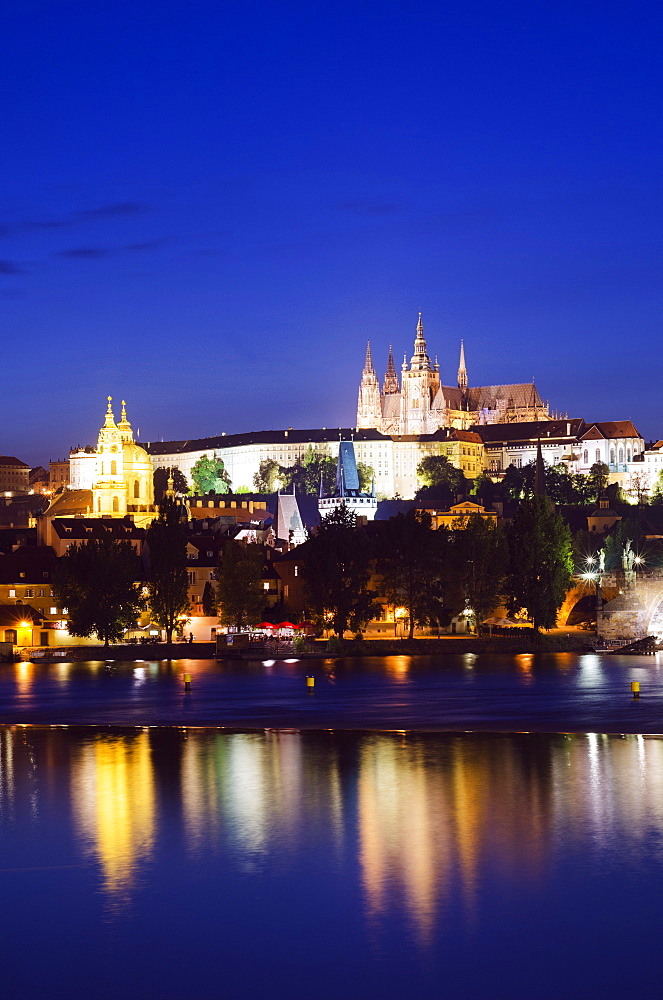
96,527
531,430
15,462
611,429
520,394
71,502
285,437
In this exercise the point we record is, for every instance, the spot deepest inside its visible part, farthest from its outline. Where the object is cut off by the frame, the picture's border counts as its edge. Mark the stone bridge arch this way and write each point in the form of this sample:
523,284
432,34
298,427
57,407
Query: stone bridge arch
583,589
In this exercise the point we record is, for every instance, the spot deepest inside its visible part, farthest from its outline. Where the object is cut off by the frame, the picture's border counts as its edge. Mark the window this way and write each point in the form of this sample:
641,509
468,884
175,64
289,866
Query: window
136,489
29,592
585,457
41,593
265,585
113,468
286,591
598,454
54,611
115,505
296,570
192,576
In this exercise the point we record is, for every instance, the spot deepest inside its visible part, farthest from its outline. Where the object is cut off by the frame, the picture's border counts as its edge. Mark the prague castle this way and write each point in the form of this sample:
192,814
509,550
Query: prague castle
422,405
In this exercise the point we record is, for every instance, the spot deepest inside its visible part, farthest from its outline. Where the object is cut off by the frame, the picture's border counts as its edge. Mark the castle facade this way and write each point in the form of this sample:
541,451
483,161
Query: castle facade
420,404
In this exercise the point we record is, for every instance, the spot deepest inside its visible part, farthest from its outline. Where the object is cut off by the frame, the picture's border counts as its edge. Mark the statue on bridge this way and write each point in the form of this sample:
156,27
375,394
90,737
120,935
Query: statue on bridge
628,562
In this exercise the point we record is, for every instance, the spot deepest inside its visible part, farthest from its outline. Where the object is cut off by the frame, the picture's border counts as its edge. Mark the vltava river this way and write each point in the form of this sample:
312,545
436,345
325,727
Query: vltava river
183,862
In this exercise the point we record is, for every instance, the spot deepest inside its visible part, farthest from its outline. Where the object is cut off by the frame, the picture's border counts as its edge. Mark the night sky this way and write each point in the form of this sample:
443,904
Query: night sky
208,207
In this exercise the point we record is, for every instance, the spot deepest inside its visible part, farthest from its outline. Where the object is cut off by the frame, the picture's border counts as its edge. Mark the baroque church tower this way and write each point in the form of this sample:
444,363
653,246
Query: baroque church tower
369,412
123,483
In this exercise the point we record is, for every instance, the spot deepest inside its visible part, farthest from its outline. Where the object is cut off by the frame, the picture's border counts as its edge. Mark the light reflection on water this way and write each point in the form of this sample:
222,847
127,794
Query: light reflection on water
420,830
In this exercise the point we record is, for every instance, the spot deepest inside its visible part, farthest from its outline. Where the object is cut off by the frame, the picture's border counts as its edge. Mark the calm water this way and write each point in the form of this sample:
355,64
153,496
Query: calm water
174,862
567,692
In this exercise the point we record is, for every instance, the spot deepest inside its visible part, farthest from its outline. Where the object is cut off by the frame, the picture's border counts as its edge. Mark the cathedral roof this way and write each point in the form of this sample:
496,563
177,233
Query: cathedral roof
391,405
449,396
285,437
520,394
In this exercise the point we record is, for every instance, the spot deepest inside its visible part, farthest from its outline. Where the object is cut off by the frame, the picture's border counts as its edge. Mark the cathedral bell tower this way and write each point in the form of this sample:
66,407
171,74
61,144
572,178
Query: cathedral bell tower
420,383
369,411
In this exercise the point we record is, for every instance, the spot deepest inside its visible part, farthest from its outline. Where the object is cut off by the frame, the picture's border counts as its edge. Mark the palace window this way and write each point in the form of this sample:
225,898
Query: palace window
113,468
136,489
116,506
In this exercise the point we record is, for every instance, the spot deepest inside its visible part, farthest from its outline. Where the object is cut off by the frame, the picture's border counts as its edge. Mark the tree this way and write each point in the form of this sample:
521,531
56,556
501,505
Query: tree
437,470
480,558
366,475
209,475
627,530
97,583
239,589
307,473
540,561
268,477
597,480
160,479
168,578
409,563
657,492
518,484
337,571
485,490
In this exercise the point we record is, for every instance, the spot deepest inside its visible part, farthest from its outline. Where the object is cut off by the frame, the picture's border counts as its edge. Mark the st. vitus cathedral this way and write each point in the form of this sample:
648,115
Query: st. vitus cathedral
422,405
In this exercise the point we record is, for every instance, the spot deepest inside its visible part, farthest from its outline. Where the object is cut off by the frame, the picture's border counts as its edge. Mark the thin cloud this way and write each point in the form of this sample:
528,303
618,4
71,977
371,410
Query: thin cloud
113,210
9,267
84,252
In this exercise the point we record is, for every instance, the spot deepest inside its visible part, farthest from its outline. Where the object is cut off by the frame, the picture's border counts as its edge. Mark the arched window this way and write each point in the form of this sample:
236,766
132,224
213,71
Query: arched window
113,468
612,456
621,455
115,505
628,454
136,489
585,457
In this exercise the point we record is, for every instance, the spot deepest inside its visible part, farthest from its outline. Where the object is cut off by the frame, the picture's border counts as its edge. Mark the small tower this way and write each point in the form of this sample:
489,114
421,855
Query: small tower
170,489
124,427
369,411
390,385
109,492
462,370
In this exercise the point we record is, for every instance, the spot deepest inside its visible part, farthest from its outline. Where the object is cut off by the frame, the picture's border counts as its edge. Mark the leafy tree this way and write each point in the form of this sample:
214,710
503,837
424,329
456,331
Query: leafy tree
437,470
337,570
268,477
168,591
409,563
480,554
239,589
160,479
657,492
485,490
560,485
366,475
518,484
540,561
96,582
209,475
306,473
597,481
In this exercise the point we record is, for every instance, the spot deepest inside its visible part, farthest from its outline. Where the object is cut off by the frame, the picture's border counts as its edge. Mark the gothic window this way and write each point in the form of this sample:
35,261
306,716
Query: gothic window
113,468
136,489
612,456
115,505
621,455
628,454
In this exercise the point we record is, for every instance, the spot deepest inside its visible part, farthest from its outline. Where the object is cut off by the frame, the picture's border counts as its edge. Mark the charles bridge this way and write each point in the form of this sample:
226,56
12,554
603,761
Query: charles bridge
630,605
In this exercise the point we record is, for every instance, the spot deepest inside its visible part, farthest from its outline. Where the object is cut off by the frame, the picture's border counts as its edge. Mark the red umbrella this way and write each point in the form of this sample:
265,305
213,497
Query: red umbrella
265,625
305,625
285,625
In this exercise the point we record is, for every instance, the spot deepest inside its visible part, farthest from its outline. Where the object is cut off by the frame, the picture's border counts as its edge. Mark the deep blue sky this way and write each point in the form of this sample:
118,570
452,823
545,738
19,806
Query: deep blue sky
208,207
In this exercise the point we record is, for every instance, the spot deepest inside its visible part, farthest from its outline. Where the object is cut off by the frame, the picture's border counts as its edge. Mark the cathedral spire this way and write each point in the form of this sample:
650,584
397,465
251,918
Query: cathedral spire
368,364
390,378
124,426
462,370
420,360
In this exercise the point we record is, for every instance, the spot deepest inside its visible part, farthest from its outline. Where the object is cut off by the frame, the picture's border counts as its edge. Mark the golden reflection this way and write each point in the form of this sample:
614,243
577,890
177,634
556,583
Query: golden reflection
114,805
24,674
398,666
525,661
